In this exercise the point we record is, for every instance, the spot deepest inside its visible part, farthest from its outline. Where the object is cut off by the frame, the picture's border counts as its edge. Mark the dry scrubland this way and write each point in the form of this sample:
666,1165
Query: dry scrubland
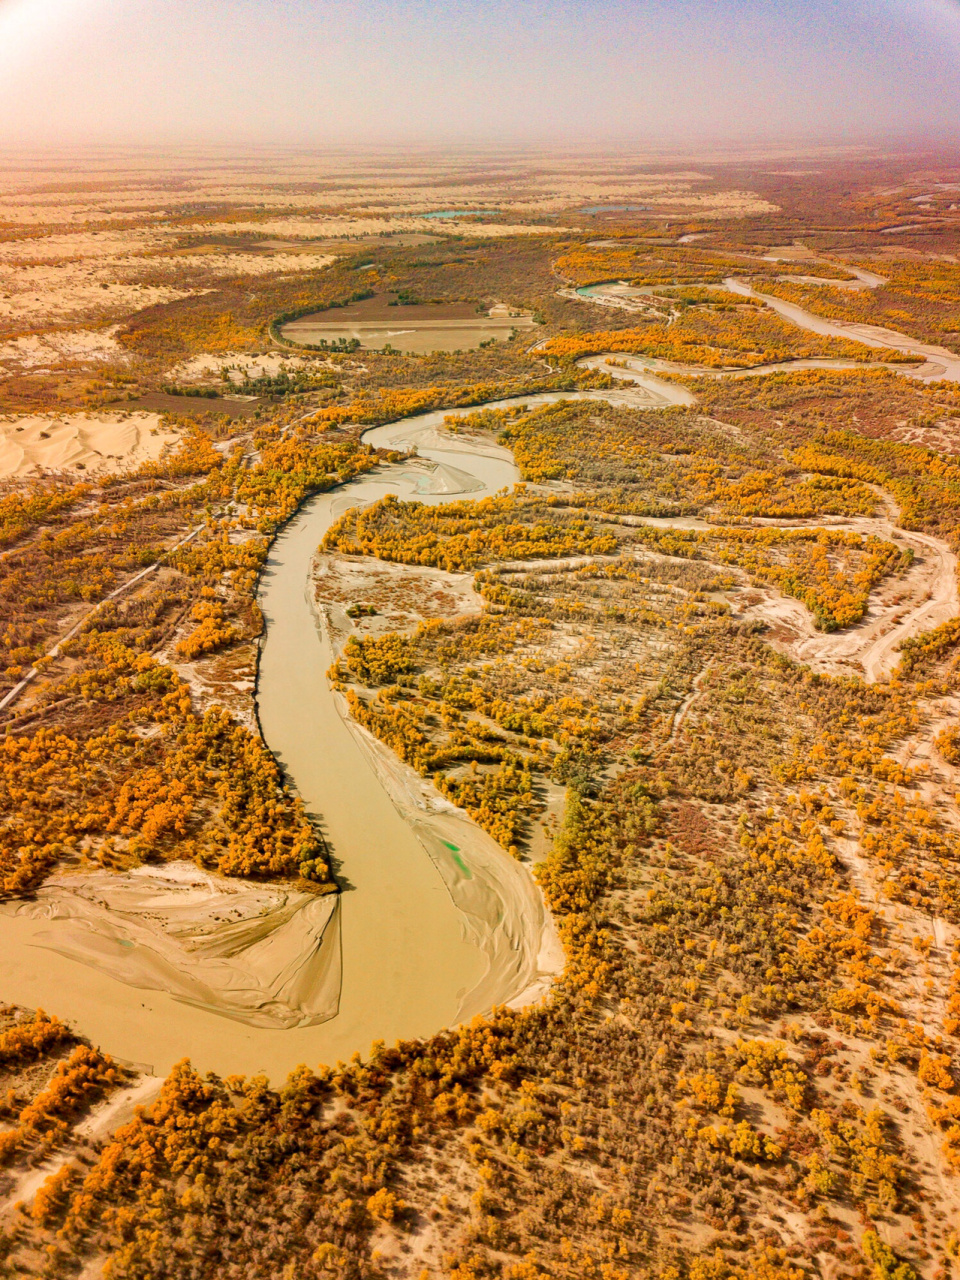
749,1068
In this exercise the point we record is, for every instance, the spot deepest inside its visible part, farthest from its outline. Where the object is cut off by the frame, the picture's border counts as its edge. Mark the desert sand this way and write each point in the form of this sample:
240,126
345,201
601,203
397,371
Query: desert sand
39,350
81,442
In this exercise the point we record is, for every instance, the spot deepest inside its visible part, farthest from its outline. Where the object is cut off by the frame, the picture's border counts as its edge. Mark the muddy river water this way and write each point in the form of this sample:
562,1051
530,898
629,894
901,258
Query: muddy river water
435,922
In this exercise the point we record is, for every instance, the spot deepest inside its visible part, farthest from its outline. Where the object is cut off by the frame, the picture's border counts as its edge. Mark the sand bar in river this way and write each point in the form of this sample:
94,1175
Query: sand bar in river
265,955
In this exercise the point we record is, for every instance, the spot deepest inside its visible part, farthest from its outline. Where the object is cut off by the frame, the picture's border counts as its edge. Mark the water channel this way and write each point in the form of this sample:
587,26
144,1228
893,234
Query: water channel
435,921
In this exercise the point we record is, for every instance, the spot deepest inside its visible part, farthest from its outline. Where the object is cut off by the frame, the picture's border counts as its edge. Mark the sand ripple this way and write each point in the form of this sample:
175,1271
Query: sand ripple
81,442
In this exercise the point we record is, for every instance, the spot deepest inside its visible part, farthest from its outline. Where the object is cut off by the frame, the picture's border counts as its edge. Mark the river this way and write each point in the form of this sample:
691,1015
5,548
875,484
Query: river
938,362
435,921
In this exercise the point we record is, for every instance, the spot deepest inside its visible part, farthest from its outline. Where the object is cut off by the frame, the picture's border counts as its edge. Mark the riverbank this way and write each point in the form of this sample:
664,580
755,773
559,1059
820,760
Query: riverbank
435,921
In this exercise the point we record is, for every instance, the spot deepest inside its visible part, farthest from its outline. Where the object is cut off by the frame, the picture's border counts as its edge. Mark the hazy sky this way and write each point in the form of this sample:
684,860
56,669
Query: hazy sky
494,70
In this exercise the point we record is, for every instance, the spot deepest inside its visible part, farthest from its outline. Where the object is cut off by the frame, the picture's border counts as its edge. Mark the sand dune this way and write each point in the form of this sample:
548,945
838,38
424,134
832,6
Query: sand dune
241,364
81,442
83,346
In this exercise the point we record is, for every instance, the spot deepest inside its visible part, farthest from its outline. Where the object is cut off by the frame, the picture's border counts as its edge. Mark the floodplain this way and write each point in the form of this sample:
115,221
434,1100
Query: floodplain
485,787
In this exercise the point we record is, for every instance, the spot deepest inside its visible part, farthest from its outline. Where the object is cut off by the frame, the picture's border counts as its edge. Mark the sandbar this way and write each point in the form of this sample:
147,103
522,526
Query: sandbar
264,954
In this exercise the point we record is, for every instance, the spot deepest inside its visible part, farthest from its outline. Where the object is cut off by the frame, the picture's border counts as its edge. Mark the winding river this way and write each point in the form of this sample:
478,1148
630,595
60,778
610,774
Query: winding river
427,941
435,922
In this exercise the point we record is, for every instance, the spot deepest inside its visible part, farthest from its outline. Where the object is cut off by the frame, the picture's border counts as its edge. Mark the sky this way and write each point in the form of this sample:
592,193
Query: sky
663,72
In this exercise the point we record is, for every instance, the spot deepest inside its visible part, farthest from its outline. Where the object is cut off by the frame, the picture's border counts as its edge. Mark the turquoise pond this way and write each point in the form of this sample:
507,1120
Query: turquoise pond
617,208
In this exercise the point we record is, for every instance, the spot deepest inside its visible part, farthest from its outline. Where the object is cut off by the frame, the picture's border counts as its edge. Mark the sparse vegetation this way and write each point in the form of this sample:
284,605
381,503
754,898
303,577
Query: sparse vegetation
748,1068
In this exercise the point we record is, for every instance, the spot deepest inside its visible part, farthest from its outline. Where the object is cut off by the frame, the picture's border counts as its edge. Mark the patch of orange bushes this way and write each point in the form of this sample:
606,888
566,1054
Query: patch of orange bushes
464,535
714,340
